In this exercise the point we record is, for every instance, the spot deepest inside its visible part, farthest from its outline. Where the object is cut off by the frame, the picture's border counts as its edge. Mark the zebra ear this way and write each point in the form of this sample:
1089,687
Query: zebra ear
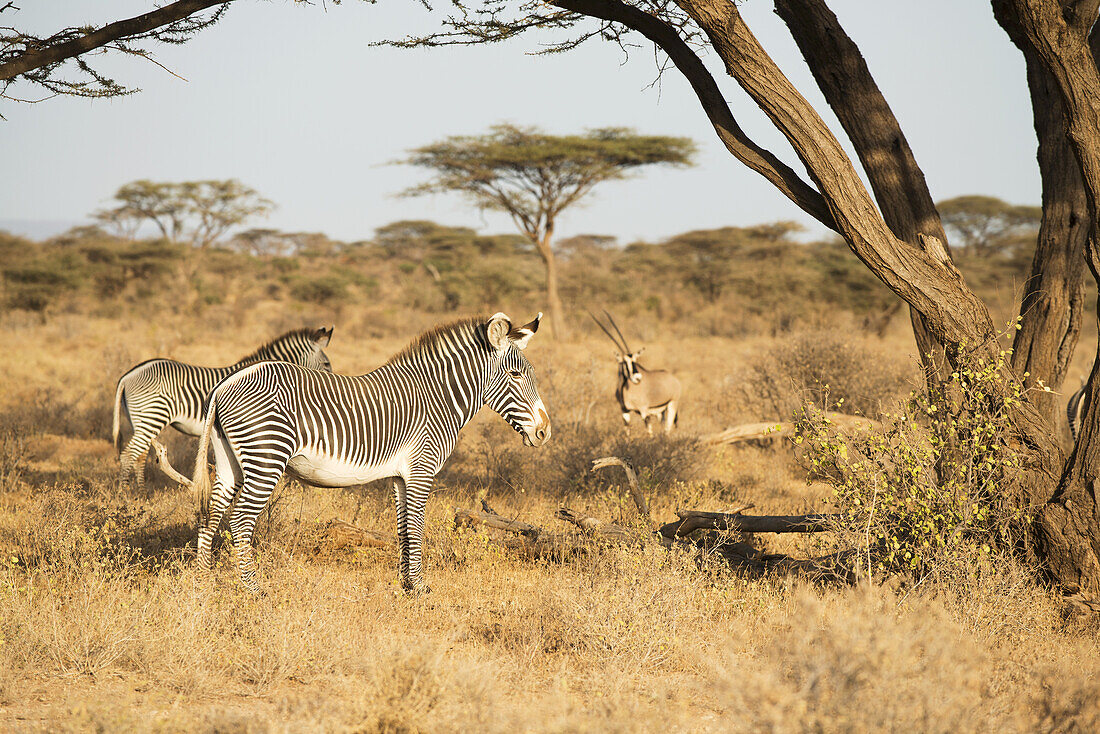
497,330
520,335
323,336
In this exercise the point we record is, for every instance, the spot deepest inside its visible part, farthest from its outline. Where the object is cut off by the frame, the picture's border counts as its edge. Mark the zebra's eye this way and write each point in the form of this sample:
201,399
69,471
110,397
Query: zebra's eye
515,374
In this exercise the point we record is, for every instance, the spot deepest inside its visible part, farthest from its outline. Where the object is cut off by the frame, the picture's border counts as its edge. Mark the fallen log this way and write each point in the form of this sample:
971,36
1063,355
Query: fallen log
160,461
774,429
631,479
595,528
342,534
692,520
533,542
490,518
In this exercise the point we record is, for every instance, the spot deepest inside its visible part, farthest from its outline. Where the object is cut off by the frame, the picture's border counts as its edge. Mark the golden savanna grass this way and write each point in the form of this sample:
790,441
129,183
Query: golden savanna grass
105,626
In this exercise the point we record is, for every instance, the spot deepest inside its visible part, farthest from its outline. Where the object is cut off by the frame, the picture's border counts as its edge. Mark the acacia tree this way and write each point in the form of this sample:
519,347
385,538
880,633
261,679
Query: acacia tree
984,225
196,212
534,177
895,229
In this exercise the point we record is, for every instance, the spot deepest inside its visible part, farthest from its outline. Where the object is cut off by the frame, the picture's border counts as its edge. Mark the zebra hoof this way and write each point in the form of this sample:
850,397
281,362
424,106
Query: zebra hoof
418,589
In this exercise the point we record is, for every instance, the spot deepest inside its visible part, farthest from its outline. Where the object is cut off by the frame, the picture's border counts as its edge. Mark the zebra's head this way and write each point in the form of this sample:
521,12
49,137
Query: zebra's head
511,389
313,355
306,347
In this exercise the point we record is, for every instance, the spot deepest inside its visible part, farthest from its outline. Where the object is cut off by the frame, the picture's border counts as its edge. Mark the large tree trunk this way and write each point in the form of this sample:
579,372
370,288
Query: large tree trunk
1068,529
897,181
544,245
1054,294
925,279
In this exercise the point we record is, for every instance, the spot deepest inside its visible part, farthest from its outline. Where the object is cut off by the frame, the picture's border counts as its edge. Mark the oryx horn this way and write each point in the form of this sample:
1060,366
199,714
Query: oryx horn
609,334
612,320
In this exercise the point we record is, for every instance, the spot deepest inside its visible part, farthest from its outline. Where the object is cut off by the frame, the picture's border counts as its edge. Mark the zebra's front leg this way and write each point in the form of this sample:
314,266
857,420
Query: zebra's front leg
417,488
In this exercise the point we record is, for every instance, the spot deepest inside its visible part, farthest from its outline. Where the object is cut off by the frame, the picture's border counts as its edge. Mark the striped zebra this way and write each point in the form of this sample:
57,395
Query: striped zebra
401,420
161,392
1075,411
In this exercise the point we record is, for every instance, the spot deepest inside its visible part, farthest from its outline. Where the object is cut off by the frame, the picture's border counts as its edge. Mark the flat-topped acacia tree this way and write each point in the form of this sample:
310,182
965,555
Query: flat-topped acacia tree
533,177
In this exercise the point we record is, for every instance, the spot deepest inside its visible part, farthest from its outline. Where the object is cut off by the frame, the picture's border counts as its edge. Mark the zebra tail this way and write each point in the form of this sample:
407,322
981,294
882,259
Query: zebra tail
115,433
200,482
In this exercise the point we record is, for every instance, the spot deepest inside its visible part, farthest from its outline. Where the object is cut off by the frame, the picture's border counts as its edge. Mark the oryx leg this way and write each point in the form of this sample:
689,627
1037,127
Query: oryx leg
670,416
626,421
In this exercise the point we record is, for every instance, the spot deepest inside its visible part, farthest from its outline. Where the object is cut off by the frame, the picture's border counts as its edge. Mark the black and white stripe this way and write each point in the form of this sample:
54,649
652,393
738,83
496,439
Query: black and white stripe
1075,411
400,420
161,392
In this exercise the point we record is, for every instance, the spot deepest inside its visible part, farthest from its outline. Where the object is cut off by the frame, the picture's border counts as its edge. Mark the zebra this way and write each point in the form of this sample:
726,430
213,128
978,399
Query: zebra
400,420
1075,411
161,392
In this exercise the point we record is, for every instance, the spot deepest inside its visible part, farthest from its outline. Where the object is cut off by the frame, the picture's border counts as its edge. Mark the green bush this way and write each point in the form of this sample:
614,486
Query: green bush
322,289
922,494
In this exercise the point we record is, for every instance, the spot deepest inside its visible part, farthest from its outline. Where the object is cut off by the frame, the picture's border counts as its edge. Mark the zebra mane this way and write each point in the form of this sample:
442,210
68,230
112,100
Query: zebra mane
428,339
264,352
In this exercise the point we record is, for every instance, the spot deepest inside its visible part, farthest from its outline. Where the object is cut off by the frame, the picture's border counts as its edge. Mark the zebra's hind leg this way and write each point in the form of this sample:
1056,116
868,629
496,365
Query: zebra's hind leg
146,426
259,482
417,488
131,472
220,499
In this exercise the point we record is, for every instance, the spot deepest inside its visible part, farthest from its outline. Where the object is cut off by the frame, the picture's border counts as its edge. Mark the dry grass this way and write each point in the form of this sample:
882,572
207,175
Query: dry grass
104,626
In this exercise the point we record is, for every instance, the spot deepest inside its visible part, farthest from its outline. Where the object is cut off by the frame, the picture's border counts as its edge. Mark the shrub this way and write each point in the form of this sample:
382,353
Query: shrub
921,495
322,290
859,375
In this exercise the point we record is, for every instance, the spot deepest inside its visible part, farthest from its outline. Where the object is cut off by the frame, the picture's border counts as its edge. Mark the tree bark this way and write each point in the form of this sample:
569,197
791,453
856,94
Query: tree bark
897,181
545,248
1054,294
1068,527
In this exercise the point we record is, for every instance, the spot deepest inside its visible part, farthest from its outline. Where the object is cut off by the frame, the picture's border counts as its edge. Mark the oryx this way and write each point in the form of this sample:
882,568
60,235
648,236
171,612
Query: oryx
645,392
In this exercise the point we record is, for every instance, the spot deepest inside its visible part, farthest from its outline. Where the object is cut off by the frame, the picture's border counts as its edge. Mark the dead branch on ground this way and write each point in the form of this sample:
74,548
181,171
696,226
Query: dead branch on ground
774,429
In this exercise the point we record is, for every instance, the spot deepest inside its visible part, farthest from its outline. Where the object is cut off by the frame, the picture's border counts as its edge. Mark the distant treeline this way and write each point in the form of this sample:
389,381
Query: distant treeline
731,281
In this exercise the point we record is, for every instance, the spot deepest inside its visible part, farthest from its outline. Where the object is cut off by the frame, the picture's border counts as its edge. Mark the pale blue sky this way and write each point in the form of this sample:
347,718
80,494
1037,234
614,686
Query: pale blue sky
293,101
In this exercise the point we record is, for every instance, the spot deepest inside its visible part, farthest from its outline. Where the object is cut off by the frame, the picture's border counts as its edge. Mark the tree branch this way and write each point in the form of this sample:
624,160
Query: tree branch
34,59
710,97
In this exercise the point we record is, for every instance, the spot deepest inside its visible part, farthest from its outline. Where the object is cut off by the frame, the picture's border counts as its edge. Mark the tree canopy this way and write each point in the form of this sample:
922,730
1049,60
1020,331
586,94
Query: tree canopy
58,64
533,176
194,212
985,225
